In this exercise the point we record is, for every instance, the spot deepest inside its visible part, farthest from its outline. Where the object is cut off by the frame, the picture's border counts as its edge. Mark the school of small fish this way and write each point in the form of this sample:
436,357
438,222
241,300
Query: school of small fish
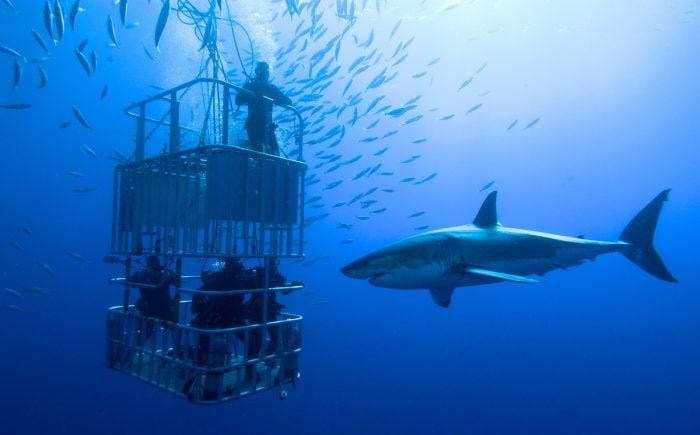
358,143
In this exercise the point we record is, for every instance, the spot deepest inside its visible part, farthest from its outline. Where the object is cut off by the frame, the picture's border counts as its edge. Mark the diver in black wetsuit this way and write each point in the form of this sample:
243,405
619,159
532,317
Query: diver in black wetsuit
259,125
155,302
217,312
254,309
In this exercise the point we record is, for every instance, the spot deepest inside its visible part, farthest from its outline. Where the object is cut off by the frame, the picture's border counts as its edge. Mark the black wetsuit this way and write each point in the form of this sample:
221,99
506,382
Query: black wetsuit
155,302
259,110
216,312
254,310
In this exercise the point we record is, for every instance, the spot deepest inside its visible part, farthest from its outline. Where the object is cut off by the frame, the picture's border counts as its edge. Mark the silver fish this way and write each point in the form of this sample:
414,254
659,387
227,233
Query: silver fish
46,268
17,106
381,151
89,151
48,19
481,68
74,10
83,61
428,178
110,30
81,119
17,74
39,59
35,289
533,122
83,189
148,53
162,20
42,77
465,83
487,185
13,292
93,61
10,51
59,19
78,257
332,184
474,108
123,4
39,40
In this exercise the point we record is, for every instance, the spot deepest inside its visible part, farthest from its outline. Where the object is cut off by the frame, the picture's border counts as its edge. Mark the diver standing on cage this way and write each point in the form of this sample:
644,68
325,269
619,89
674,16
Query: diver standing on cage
261,95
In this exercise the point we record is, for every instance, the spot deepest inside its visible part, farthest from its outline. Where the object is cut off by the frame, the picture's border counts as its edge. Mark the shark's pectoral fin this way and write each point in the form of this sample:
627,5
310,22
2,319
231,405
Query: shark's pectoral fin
499,275
442,295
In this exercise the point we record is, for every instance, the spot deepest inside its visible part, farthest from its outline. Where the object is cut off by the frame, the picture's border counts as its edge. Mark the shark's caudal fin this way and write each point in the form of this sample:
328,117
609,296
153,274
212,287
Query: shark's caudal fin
639,233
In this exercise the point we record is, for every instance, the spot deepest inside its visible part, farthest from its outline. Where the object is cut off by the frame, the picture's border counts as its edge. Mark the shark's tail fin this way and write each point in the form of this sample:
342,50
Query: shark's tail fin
639,234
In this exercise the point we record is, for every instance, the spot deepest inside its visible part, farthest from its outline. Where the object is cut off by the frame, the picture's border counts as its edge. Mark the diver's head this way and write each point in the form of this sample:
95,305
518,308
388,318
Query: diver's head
232,264
152,262
262,72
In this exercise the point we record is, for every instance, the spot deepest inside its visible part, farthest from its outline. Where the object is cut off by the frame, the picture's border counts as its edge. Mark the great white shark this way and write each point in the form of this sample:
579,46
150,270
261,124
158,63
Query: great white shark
486,252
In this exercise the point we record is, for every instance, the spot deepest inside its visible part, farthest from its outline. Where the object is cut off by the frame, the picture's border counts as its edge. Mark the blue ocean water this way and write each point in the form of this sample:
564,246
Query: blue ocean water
611,98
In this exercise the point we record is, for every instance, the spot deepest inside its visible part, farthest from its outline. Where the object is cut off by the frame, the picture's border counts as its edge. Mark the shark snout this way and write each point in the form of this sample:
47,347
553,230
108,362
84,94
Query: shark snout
360,269
354,270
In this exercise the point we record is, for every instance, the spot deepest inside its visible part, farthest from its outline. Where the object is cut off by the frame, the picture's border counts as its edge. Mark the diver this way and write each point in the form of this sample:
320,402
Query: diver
259,98
154,301
254,308
216,312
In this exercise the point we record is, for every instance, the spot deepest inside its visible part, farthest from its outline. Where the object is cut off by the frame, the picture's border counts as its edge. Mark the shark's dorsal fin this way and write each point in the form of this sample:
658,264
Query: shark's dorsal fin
487,216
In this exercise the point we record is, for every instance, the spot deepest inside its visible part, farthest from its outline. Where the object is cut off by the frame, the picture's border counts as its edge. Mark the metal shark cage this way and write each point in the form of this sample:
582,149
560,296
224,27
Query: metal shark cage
215,199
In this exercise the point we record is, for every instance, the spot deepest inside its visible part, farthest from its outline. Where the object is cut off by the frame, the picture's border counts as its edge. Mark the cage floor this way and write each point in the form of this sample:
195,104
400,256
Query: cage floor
196,383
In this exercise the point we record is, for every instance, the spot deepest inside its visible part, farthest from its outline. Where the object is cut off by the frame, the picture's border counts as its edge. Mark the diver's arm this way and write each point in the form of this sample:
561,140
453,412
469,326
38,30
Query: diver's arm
245,95
280,98
241,98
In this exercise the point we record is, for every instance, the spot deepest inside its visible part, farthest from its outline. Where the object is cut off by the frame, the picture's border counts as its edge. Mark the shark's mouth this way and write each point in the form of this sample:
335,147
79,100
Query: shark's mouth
376,278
